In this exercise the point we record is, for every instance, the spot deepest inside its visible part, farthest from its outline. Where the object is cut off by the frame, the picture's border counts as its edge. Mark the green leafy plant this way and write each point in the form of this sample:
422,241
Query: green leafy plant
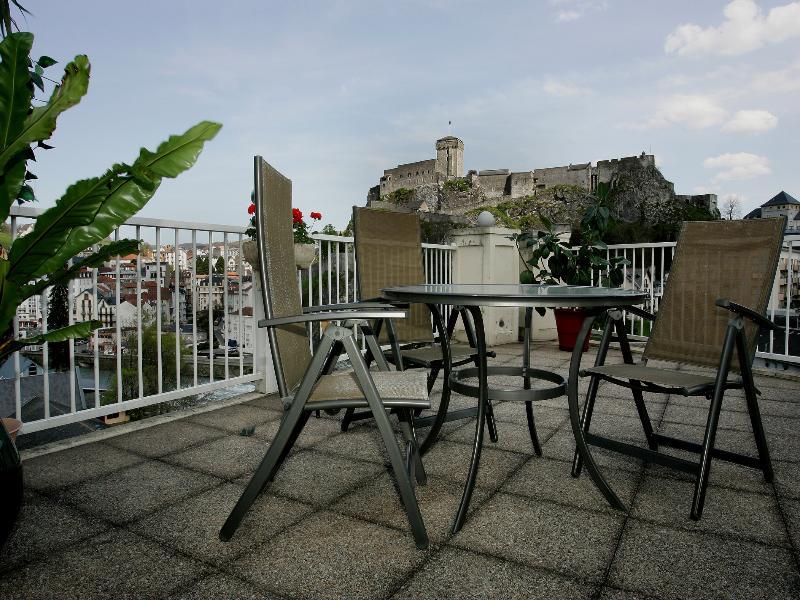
554,262
88,212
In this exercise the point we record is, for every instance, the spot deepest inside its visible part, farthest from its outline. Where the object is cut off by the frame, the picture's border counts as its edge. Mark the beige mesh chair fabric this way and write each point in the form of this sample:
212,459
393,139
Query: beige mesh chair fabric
734,260
283,294
389,251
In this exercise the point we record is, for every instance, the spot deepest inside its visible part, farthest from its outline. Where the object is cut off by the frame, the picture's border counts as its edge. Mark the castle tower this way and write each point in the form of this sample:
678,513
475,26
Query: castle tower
450,157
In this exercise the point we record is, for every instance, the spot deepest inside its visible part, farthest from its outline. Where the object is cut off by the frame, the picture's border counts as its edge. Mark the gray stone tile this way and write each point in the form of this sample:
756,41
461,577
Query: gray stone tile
269,402
192,525
452,461
698,416
363,442
332,556
129,494
669,563
723,474
734,512
552,480
43,527
610,593
315,431
791,509
318,478
787,479
237,417
575,542
227,457
164,439
221,585
66,467
460,574
562,447
783,446
544,416
513,437
778,408
438,501
116,564
626,407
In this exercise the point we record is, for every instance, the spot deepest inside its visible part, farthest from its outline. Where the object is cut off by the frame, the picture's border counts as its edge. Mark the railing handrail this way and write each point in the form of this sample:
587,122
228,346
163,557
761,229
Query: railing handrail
344,239
33,213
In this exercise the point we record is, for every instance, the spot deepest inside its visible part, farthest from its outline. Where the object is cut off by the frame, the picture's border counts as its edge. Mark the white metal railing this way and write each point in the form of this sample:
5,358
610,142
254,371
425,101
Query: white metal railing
118,358
332,278
649,270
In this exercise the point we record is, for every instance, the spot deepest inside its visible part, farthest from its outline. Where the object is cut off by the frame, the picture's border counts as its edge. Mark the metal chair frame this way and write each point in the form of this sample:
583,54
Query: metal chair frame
335,340
735,341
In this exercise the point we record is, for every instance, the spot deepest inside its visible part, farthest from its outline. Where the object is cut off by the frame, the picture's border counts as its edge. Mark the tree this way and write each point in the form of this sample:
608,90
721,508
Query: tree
150,376
202,265
219,266
57,317
731,207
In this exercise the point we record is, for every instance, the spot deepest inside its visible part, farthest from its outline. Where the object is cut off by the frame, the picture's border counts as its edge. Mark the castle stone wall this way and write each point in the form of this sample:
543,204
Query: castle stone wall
409,175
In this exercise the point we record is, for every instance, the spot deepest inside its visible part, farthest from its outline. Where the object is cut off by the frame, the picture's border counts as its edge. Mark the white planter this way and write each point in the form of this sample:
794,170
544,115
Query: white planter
304,255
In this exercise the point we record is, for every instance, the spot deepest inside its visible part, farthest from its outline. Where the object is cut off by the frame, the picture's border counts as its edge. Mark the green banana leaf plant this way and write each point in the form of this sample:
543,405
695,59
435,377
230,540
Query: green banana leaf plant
88,212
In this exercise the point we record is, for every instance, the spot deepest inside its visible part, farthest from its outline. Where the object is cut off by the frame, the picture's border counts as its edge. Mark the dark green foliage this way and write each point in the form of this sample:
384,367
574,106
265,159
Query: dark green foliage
401,196
456,185
220,266
150,377
57,317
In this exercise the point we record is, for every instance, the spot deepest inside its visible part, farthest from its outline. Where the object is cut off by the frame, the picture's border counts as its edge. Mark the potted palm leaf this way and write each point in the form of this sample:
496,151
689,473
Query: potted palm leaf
86,214
553,261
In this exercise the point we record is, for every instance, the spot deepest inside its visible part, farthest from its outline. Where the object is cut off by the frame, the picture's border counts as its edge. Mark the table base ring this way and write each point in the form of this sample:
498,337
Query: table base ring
458,385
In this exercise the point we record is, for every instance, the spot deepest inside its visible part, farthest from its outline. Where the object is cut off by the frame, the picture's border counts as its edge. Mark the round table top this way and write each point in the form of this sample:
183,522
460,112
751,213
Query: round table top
501,294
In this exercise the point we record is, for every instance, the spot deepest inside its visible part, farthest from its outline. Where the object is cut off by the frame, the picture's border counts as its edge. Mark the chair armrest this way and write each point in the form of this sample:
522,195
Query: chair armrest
348,306
386,312
755,317
640,312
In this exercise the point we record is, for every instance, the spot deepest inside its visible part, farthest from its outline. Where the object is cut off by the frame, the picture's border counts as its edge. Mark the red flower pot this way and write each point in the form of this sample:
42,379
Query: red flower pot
568,324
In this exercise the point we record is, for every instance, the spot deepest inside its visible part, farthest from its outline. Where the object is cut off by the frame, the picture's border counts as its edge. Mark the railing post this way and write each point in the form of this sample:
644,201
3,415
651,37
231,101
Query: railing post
488,255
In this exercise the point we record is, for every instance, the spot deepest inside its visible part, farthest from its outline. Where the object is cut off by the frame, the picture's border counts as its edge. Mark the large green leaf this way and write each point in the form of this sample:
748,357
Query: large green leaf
41,122
15,102
90,210
97,259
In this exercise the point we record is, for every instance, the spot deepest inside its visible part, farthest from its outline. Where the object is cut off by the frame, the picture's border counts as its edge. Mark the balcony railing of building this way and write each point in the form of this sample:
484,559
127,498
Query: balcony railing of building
169,308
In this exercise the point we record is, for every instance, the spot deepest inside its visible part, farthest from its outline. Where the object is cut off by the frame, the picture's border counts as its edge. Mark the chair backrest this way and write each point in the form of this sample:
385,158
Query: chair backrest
291,353
389,253
735,260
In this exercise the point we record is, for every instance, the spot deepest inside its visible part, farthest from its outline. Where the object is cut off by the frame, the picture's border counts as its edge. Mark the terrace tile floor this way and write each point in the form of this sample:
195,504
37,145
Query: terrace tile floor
136,515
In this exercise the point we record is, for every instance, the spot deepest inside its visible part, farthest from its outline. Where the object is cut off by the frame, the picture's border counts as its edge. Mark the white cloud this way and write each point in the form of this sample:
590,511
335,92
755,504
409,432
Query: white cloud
745,28
561,88
690,111
752,121
738,166
779,80
572,10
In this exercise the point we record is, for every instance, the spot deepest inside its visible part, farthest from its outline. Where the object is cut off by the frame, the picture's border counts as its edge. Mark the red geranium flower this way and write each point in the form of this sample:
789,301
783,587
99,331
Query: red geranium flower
316,215
297,216
251,209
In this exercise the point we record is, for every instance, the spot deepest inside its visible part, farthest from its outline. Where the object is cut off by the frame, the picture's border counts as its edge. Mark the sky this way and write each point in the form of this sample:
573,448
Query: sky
332,93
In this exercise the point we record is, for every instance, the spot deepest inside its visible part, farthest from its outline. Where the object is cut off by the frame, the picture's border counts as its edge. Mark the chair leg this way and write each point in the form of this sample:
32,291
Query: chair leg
398,465
701,484
638,398
301,423
594,382
266,470
537,448
491,425
416,469
347,419
752,408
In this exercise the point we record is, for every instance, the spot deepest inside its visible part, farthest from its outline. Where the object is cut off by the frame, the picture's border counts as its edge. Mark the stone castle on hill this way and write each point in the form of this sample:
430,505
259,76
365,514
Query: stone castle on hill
420,183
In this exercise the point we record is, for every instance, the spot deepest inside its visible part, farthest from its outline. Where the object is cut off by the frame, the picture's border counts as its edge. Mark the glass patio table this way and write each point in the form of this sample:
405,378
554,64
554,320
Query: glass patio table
594,300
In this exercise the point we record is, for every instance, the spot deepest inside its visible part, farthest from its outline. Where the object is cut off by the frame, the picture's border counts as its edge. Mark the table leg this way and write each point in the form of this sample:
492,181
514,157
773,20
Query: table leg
483,400
441,415
575,418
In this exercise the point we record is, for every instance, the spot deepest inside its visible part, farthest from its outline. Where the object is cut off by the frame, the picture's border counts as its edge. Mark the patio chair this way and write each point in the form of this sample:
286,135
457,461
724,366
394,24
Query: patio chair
389,253
308,383
718,288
